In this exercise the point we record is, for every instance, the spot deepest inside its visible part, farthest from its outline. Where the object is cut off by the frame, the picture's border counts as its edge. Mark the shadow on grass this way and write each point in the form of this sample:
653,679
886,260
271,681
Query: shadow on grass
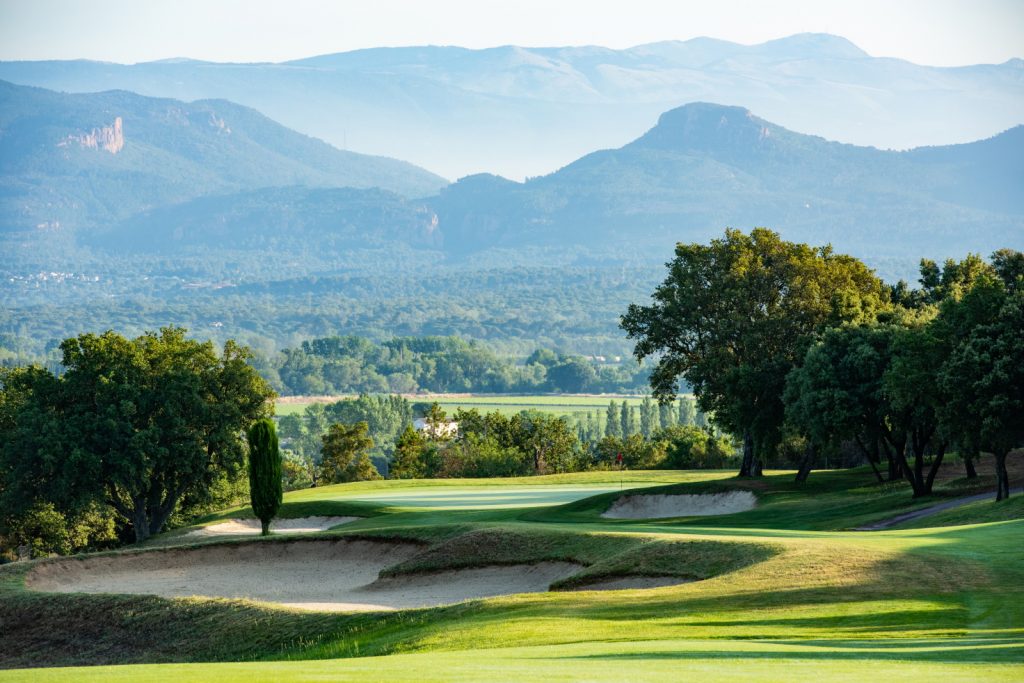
902,621
1000,651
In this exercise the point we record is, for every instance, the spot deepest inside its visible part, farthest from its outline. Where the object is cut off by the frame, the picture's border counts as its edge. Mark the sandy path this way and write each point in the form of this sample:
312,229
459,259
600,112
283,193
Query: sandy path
327,575
251,527
931,510
653,506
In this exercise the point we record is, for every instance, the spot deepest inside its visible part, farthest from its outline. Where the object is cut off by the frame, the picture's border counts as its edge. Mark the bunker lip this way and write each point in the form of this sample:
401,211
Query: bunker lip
251,526
615,583
662,506
326,575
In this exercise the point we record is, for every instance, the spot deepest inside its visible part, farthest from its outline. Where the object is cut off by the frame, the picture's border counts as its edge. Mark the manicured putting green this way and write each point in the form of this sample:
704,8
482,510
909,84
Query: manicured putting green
482,497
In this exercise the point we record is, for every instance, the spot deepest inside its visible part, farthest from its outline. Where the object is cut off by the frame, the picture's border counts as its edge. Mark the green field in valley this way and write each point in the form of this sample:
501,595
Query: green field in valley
784,591
558,404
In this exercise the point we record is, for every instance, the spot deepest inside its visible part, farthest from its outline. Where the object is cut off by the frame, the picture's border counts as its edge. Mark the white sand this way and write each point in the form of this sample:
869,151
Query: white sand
324,575
251,527
686,505
631,582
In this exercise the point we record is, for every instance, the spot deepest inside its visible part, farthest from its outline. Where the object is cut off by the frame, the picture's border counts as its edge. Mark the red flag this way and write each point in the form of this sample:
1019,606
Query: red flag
618,458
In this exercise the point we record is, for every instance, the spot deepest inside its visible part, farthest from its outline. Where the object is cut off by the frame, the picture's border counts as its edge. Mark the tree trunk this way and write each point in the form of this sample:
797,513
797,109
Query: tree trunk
159,513
969,464
917,444
140,521
908,472
1002,478
878,474
969,467
934,469
872,455
747,466
895,473
807,462
264,527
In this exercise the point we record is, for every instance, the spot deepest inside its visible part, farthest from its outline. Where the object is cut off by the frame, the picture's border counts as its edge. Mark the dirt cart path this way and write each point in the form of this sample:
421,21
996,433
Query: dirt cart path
930,510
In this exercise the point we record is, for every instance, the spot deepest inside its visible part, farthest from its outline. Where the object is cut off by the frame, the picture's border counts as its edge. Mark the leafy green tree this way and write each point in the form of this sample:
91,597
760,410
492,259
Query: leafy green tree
983,378
689,447
648,416
613,423
625,423
345,454
437,423
477,455
666,415
837,393
687,412
137,425
734,317
408,462
549,441
572,376
916,401
265,478
297,471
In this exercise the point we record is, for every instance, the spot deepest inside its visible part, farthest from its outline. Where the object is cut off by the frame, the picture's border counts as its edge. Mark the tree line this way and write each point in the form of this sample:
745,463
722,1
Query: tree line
404,365
785,341
469,443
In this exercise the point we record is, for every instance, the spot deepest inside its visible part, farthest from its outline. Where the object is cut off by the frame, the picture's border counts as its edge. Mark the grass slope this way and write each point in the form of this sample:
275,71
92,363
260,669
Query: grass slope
787,593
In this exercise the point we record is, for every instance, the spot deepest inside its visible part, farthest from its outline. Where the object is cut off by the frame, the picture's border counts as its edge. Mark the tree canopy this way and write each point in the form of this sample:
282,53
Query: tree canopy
133,424
733,317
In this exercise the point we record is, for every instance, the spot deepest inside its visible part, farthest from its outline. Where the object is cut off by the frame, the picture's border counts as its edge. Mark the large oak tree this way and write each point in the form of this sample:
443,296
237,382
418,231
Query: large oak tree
134,424
733,317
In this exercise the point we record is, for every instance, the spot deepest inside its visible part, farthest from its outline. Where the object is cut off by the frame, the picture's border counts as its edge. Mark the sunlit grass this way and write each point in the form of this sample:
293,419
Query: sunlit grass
784,592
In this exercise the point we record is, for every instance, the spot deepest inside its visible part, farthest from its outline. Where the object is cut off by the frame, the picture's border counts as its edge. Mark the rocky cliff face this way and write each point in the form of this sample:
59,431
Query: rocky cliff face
108,138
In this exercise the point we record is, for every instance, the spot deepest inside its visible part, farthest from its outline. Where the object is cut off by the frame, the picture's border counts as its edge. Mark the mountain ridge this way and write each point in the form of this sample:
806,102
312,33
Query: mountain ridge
523,112
704,166
167,151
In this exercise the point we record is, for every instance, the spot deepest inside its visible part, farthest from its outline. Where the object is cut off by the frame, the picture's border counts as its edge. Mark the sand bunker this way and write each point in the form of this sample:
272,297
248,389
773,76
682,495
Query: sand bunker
686,505
251,527
323,575
631,582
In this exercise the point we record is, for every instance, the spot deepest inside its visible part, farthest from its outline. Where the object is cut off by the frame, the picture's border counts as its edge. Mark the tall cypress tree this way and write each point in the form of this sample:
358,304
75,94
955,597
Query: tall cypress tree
666,415
611,427
648,415
626,427
265,490
686,411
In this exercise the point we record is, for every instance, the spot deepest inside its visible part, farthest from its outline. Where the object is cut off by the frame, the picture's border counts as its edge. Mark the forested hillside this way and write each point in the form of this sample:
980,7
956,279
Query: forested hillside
84,161
340,365
706,166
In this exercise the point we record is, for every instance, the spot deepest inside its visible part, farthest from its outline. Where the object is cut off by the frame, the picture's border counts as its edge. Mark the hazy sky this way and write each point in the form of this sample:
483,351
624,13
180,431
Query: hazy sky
938,32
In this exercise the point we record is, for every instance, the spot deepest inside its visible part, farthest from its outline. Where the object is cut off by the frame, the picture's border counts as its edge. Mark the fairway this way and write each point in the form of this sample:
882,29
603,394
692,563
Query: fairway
784,591
481,497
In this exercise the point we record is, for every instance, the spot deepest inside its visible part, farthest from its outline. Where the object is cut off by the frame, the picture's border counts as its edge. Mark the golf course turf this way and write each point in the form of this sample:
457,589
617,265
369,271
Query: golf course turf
784,591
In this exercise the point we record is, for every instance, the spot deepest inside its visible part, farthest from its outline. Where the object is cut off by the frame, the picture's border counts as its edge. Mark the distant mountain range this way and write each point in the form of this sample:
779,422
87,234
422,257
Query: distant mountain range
707,166
129,174
85,162
527,111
